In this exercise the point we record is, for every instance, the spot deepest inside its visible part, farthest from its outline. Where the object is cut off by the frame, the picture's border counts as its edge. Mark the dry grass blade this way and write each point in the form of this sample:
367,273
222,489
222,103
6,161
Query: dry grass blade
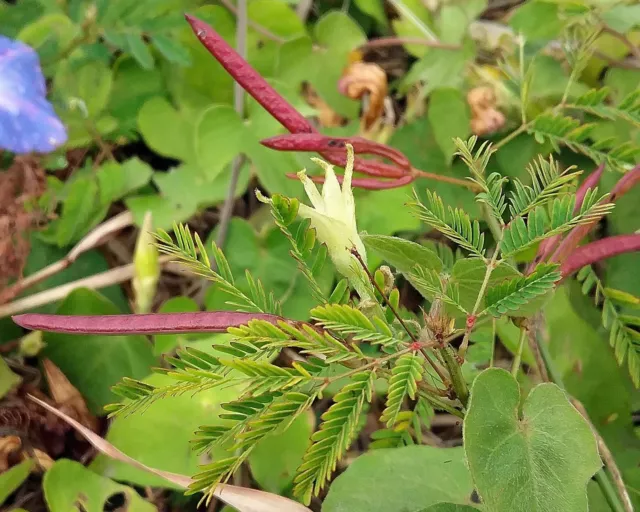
244,500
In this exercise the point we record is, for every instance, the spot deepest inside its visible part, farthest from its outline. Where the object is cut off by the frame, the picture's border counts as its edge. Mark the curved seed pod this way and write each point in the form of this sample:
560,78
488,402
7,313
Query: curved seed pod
599,250
321,143
250,80
153,323
626,183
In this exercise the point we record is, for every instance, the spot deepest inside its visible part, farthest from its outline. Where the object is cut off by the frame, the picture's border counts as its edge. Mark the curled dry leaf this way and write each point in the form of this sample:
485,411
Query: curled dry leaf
67,397
485,117
360,78
244,500
10,446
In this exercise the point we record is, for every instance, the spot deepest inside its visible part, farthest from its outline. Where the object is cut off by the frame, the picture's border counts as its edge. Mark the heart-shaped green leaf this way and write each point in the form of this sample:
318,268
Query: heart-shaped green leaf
540,460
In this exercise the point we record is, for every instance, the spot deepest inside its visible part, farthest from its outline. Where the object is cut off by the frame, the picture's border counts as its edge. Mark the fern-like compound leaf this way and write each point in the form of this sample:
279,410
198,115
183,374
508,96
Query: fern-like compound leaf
559,217
455,224
512,294
349,321
547,181
406,374
337,431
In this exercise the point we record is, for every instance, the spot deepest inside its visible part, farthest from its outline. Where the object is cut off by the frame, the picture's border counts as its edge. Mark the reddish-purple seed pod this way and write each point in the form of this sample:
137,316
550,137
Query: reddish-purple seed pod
370,167
323,143
250,80
155,323
598,251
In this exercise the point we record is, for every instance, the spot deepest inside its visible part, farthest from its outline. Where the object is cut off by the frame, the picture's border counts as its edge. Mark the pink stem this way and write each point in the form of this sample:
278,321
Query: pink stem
250,80
626,183
155,323
321,143
599,250
370,167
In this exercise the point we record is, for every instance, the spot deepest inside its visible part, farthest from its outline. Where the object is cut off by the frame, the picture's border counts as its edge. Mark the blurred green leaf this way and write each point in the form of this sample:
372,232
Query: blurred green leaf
8,379
544,455
403,254
166,130
139,49
13,478
274,460
537,20
68,483
428,476
94,363
90,85
338,34
116,180
220,135
404,26
171,50
374,8
469,275
77,210
449,116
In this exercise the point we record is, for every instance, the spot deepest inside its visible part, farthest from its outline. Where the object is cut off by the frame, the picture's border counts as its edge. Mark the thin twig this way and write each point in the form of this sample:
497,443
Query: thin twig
95,282
96,237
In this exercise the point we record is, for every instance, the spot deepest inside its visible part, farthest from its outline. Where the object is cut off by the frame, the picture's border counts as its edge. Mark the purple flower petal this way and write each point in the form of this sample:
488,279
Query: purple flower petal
28,121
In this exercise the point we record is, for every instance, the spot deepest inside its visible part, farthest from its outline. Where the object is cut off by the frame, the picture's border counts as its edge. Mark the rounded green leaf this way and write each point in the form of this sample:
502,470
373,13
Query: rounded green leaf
402,479
154,118
12,478
69,484
540,460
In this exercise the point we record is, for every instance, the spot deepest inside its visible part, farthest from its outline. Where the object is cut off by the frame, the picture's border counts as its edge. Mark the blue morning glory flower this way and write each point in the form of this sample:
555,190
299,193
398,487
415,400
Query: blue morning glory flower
28,122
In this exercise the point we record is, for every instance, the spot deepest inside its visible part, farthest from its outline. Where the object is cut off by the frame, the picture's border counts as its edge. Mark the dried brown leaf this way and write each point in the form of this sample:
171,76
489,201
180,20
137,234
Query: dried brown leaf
360,78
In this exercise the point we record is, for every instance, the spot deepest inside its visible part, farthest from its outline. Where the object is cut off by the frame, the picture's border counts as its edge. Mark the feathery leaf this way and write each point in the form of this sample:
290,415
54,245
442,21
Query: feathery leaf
406,374
546,183
455,224
349,321
557,218
512,294
336,433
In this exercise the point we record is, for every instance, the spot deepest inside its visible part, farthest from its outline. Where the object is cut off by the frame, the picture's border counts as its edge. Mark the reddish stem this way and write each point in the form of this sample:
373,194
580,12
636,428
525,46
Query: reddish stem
598,251
155,323
321,143
250,80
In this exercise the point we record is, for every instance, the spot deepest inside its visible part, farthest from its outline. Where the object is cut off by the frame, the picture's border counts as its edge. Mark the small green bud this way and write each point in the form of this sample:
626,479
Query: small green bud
146,267
31,344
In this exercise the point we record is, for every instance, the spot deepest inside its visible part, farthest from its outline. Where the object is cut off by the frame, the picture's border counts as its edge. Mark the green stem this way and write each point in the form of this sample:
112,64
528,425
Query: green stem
455,372
521,129
440,404
614,499
518,358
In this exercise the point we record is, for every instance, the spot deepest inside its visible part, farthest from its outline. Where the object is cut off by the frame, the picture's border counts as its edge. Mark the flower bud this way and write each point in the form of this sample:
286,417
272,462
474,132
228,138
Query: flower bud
146,267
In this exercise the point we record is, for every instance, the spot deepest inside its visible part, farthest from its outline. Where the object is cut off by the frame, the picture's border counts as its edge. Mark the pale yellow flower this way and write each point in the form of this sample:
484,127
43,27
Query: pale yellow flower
333,216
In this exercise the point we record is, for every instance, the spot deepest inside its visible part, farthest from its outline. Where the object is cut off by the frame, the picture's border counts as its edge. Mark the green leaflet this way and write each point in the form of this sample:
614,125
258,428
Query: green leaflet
511,295
406,374
336,433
